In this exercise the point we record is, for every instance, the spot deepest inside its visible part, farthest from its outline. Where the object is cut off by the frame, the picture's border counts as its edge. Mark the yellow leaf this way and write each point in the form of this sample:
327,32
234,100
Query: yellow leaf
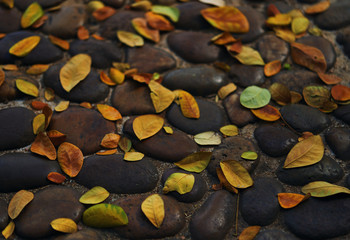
146,126
18,203
133,156
94,195
62,106
249,233
65,225
9,229
27,87
207,138
74,71
39,123
25,46
161,96
180,182
130,39
226,90
49,94
236,174
116,75
229,130
8,3
323,189
110,140
37,69
31,15
280,19
188,104
249,56
285,33
305,153
300,25
168,130
108,112
153,208
195,162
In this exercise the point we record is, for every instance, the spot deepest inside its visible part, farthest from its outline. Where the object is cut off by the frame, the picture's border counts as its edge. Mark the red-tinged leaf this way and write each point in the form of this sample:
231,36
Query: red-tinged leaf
140,25
188,104
158,22
83,33
56,137
70,159
103,13
56,177
2,76
106,152
42,145
38,105
86,105
223,39
38,23
2,35
224,182
309,57
290,200
235,47
59,42
272,68
267,113
48,114
106,80
341,93
272,10
329,78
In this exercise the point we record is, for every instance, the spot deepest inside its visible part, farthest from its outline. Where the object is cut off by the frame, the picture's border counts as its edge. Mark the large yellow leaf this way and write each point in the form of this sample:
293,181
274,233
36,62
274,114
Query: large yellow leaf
300,25
31,15
188,104
94,195
249,56
105,215
27,87
25,46
9,229
148,125
180,182
153,208
18,203
236,174
323,189
65,225
74,71
305,153
195,162
161,96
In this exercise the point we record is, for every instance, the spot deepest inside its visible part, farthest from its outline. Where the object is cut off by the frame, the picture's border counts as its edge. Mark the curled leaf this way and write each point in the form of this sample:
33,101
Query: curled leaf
153,208
236,174
70,159
42,145
105,216
309,57
106,80
318,7
130,39
207,138
341,93
161,96
56,177
323,189
116,75
110,140
223,39
140,25
65,225
249,56
23,47
146,126
27,87
39,123
31,15
158,22
290,200
180,182
94,195
59,42
133,156
267,113
49,94
195,162
56,137
108,112
255,97
172,12
229,130
18,202
103,13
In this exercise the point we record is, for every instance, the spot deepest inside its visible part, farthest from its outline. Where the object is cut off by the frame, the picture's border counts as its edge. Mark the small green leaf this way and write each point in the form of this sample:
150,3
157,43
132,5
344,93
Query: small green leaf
105,215
249,155
255,97
172,12
195,162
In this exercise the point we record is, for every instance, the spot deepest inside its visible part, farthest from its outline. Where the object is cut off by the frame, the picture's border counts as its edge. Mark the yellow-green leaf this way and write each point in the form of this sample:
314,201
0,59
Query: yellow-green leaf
229,130
323,189
168,130
161,96
125,144
23,47
305,153
172,12
94,195
195,162
249,56
65,225
300,25
133,156
39,123
62,106
249,155
74,71
18,203
153,208
31,15
146,126
9,229
27,87
236,174
207,138
180,182
130,39
105,215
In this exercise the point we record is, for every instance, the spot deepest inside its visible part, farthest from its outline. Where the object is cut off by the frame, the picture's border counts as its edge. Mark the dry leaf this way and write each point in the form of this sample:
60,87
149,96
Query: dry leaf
290,200
223,39
108,112
94,196
153,208
94,5
329,78
70,159
48,115
229,130
130,39
106,80
285,33
226,90
168,130
142,5
37,69
305,153
267,113
249,233
105,215
65,225
59,42
195,162
280,93
188,104
62,106
116,75
180,182
161,96
309,57
158,22
10,67
125,144
323,189
235,47
340,93
272,68
236,174
23,47
49,94
56,177
140,25
133,156
103,13
38,23
110,140
42,145
9,229
218,3
27,87
316,96
295,97
280,19
31,15
74,71
38,105
83,33
98,37
56,137
18,202
107,152
86,105
207,138
39,123
272,10
318,7
2,76
224,182
249,56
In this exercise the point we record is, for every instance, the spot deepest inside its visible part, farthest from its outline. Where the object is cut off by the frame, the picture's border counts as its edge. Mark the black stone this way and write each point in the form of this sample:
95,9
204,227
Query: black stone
114,3
343,113
338,140
237,114
4,218
245,75
10,20
335,17
296,80
274,234
85,234
343,38
272,48
190,16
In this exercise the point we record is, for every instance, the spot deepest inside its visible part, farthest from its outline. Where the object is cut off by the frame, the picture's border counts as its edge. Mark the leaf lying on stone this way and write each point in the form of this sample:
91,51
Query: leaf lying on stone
329,78
23,47
42,145
300,25
70,159
153,208
62,106
38,105
280,19
309,57
116,75
94,196
59,42
223,39
168,130
290,200
224,182
106,80
249,233
133,156
207,138
188,104
37,69
249,155
172,12
236,174
65,225
107,152
158,22
284,33
56,177
49,94
195,162
226,90
39,123
146,126
341,93
161,96
125,144
249,56
267,113
272,68
323,189
18,202
56,137
31,15
27,87
105,215
103,13
179,182
229,130
255,97
280,93
110,140
140,25
83,33
130,39
316,96
2,76
318,7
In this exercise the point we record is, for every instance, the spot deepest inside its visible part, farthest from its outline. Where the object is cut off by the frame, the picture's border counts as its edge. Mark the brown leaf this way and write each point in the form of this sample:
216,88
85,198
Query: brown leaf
272,10
305,136
235,47
49,94
42,145
249,233
280,93
56,177
188,104
146,126
59,42
329,78
109,112
341,93
2,35
267,113
48,114
38,105
158,22
37,69
110,140
318,7
290,200
223,39
83,33
98,37
70,159
18,203
86,105
38,23
103,13
140,25
272,68
295,97
316,96
309,57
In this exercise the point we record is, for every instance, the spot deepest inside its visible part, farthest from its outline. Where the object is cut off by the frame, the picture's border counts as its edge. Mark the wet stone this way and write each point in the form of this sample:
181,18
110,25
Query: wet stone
272,234
117,175
304,118
195,47
244,75
4,218
232,148
102,53
91,89
114,3
237,114
16,128
132,98
58,202
199,81
320,218
337,16
275,140
322,44
211,118
162,146
139,227
84,128
85,234
326,170
65,22
190,16
23,4
140,58
338,139
259,204
10,19
296,80
343,113
197,192
45,52
215,217
272,48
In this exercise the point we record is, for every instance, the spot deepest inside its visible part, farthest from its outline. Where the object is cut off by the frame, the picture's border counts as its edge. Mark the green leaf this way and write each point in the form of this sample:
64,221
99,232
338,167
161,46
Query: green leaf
172,12
249,155
195,162
255,97
180,182
249,56
323,189
105,215
94,195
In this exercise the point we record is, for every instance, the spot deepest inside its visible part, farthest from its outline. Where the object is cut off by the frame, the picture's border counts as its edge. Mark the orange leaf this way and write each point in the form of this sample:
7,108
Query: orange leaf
23,47
103,13
249,233
328,78
110,140
341,93
56,177
146,126
228,19
106,80
10,67
235,47
107,152
56,137
116,75
224,182
272,68
59,42
2,35
83,33
37,69
38,23
188,104
318,7
97,37
290,200
70,159
2,76
140,25
272,10
223,39
158,22
43,146
86,105
142,77
309,57
38,105
267,113
108,112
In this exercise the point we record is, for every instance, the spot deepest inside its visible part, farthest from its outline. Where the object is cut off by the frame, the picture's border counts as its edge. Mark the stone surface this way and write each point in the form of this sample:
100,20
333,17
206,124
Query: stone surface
296,80
211,118
343,38
90,89
162,146
336,16
214,218
320,218
259,204
16,128
273,234
10,19
139,227
245,75
45,52
275,140
199,81
304,118
197,192
114,3
149,59
85,234
23,4
57,202
194,47
338,139
4,218
190,16
343,113
84,128
272,48
326,170
237,114
117,175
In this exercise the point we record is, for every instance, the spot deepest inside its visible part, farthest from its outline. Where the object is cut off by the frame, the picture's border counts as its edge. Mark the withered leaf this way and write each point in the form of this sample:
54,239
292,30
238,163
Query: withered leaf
65,225
223,39
309,57
172,12
109,112
280,93
318,7
59,42
23,47
207,138
2,76
56,177
85,105
9,229
143,5
195,162
236,174
38,105
94,195
180,182
110,140
267,113
329,78
226,90
290,200
249,233
83,33
323,189
56,137
224,181
316,96
272,68
280,19
31,15
161,96
249,56
133,156
148,125
37,69
125,144
107,152
103,13
49,94
27,87
340,93
130,39
18,202
285,33
42,145
116,75
158,22
153,208
140,25
48,115
106,80
39,123
229,130
70,159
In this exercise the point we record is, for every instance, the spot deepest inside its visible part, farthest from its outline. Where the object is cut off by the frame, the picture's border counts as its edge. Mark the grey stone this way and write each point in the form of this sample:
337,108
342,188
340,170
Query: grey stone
335,17
237,114
10,20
